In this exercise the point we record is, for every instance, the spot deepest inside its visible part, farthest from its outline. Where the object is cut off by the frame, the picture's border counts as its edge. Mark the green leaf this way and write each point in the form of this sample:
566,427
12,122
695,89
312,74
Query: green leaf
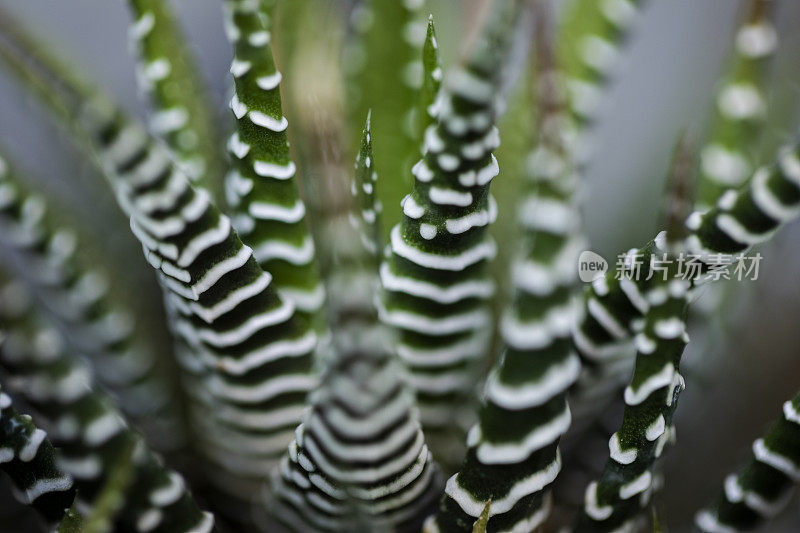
95,442
524,410
374,485
29,460
436,283
249,350
108,503
432,75
740,109
83,295
72,522
483,520
111,499
730,229
656,522
215,293
590,39
261,188
366,207
168,73
382,64
766,479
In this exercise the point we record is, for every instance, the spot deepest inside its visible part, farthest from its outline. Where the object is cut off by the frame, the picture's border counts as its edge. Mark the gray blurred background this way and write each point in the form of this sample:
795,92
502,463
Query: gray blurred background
736,379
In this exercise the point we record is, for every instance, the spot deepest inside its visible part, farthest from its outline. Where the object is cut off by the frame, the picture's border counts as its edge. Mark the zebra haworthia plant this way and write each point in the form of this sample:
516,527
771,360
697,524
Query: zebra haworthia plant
168,74
436,282
359,458
762,488
394,389
513,452
100,322
260,188
91,434
728,157
29,460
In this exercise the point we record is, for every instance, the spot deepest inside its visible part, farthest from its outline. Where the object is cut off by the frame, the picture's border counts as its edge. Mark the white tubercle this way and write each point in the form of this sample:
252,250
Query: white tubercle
205,525
239,109
623,457
549,215
757,40
528,485
264,390
239,68
442,196
275,170
265,121
157,70
203,241
534,335
439,326
591,505
663,378
539,437
31,447
102,428
656,429
470,86
233,299
670,328
736,231
779,462
790,413
526,395
637,486
242,332
475,219
598,53
423,289
421,171
266,211
724,166
708,522
433,143
142,27
169,493
585,97
790,165
448,162
740,101
149,520
644,344
766,200
6,455
485,174
169,120
278,249
259,38
270,81
237,147
214,274
618,12
604,317
427,231
411,208
87,467
728,200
